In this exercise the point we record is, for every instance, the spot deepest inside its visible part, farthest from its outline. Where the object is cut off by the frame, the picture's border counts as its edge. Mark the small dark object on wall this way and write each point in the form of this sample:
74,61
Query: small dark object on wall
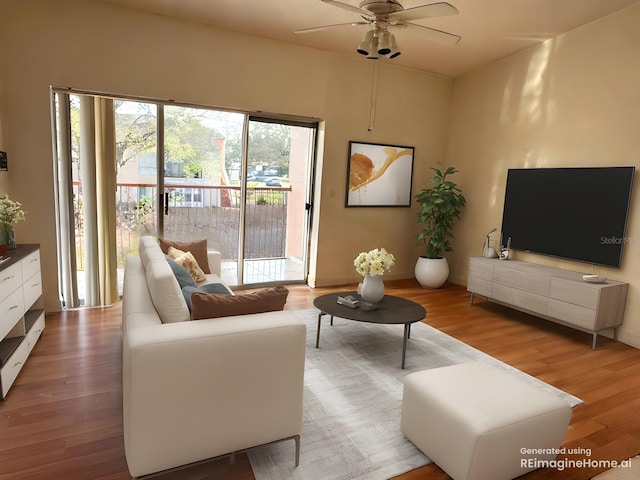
3,161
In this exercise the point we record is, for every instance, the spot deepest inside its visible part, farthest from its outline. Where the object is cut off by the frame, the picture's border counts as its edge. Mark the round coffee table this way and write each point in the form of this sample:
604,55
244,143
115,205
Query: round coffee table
390,310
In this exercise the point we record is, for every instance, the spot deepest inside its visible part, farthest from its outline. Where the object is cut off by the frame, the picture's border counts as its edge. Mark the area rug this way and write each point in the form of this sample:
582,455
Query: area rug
353,396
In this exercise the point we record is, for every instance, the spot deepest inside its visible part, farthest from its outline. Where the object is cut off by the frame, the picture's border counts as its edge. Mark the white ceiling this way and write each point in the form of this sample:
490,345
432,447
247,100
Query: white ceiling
490,29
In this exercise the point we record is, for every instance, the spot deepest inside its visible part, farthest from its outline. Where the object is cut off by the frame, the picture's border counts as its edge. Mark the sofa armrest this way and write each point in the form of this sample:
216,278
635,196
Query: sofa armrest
200,389
215,262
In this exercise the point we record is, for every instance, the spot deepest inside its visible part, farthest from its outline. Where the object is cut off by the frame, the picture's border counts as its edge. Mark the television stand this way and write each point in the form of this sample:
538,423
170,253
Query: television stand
558,295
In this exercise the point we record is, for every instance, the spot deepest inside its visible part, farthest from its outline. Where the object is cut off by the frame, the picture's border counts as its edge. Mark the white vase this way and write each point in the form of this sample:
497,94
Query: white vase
372,290
431,272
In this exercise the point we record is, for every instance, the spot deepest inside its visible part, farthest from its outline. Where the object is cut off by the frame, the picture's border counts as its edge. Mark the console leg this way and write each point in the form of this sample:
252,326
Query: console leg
297,440
471,301
615,334
595,338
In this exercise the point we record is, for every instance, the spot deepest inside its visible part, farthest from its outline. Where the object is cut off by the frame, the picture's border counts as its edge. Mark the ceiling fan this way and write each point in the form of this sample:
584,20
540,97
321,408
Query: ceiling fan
384,14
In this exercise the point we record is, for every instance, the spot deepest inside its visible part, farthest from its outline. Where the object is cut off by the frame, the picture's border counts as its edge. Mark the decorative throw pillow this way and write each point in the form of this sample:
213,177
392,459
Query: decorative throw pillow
214,305
182,274
187,291
187,260
198,249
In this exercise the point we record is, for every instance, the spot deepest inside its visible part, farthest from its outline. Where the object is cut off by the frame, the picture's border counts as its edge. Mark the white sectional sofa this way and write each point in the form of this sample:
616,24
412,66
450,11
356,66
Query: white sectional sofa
195,390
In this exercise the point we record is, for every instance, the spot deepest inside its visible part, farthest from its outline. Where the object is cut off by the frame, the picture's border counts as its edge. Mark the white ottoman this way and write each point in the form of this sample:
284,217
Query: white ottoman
478,422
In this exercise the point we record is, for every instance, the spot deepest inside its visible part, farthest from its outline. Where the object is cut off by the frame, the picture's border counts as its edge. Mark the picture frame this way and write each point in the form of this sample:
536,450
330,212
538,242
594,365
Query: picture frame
379,175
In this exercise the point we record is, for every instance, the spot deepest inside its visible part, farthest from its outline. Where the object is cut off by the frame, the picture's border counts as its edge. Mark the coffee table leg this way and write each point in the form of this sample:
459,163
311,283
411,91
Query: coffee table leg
407,329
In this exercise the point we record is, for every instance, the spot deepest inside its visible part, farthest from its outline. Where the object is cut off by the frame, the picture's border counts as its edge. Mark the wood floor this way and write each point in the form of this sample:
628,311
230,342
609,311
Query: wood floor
63,416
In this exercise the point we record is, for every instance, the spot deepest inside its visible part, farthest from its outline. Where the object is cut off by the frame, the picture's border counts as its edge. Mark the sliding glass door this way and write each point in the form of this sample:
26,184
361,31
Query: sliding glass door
202,194
187,173
277,202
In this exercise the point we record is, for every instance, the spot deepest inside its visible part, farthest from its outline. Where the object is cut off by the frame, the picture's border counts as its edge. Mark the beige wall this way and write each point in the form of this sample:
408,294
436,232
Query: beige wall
572,101
103,47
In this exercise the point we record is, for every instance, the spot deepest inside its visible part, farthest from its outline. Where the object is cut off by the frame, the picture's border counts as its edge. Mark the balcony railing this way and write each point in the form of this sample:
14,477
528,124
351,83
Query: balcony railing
195,212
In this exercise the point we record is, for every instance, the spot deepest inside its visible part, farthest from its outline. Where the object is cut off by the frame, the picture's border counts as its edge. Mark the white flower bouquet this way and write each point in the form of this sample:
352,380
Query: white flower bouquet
374,262
10,212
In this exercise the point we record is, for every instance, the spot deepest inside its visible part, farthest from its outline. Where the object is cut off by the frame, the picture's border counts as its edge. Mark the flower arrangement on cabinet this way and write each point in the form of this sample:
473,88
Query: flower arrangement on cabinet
374,262
10,213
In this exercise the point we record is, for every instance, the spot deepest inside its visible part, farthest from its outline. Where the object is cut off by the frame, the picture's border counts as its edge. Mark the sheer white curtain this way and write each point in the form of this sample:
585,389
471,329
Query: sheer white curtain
106,200
98,177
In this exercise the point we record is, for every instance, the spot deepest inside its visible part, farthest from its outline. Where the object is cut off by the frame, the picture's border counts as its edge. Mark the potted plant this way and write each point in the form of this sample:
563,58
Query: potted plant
440,206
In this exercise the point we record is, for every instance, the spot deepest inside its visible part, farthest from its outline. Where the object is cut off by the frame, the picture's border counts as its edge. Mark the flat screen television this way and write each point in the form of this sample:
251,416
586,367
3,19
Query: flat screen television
573,213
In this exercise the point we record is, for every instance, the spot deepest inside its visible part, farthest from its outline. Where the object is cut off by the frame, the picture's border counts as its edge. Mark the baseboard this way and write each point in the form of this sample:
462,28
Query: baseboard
632,339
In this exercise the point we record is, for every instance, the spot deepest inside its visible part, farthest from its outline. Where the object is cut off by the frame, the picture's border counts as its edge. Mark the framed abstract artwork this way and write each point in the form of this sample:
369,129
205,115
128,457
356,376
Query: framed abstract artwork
379,175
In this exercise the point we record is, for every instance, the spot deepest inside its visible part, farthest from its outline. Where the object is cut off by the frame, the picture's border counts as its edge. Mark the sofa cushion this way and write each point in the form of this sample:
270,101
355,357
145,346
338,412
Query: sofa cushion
206,288
214,305
198,249
187,260
182,274
165,292
149,249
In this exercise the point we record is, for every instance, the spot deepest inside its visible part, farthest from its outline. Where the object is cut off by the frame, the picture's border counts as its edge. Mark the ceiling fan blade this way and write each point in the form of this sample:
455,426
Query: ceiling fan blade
432,34
440,9
346,6
325,27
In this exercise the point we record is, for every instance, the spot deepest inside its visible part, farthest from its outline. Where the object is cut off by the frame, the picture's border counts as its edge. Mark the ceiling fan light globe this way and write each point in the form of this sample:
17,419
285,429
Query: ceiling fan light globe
373,48
385,42
366,45
393,49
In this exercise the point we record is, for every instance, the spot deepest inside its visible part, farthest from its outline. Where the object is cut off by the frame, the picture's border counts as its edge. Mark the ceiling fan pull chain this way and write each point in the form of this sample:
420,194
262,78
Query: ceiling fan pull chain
374,95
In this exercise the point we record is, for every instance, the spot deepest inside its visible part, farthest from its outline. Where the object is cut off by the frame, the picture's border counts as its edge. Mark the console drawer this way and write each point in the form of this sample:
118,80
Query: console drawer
479,286
36,330
30,264
536,282
32,289
10,279
14,364
480,269
573,314
11,310
578,293
520,299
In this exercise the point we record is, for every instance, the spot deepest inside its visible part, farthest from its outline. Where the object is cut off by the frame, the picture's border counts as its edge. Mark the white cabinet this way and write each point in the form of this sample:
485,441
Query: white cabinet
21,311
558,295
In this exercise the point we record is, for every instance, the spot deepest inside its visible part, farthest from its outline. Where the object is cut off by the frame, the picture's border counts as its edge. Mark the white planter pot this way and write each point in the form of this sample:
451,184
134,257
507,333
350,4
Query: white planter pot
431,272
